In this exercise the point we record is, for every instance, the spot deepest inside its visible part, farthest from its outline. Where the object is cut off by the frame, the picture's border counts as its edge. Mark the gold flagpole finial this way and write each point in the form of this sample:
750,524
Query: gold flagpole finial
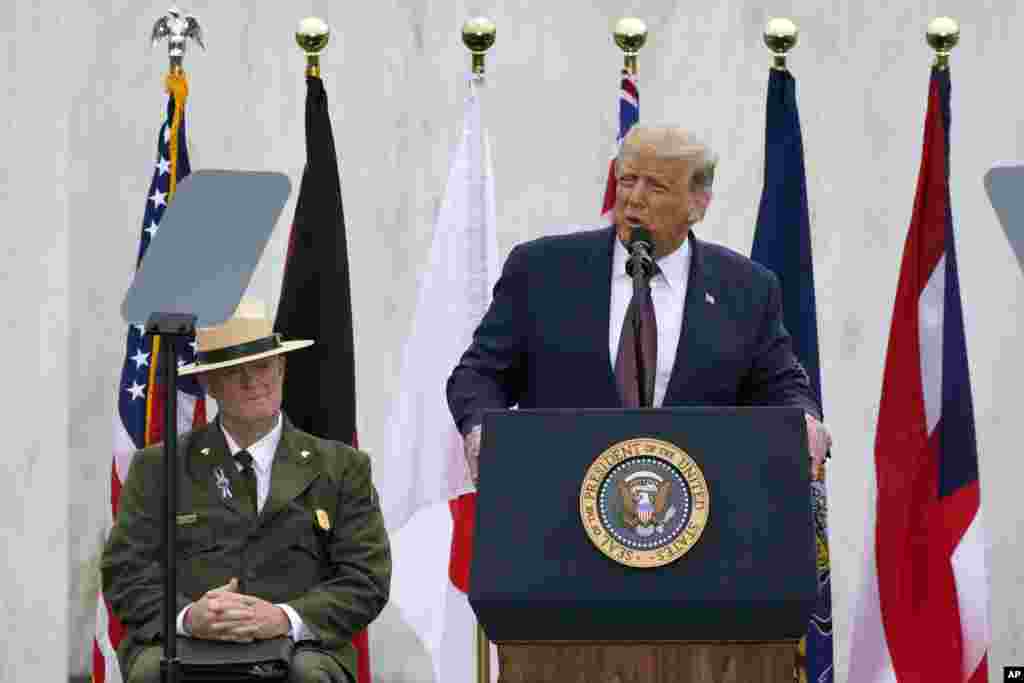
312,36
177,27
478,36
630,35
780,35
943,35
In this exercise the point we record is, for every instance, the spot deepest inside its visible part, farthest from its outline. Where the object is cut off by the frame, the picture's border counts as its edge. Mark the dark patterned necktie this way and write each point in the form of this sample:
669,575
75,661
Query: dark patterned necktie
627,371
244,459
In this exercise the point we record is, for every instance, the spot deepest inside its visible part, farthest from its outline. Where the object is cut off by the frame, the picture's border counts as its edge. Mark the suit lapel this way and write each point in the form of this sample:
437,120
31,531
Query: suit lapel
293,470
592,310
694,314
209,460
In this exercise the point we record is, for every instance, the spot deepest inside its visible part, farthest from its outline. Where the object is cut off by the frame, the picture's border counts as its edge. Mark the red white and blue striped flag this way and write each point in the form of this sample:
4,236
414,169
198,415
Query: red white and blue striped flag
923,613
140,399
629,113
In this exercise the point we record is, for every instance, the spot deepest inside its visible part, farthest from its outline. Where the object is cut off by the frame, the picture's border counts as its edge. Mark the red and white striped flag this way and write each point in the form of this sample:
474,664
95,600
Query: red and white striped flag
424,464
923,612
139,421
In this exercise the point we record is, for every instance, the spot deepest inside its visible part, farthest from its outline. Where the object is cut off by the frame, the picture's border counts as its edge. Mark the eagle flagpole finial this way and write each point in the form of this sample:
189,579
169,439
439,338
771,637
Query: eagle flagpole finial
177,27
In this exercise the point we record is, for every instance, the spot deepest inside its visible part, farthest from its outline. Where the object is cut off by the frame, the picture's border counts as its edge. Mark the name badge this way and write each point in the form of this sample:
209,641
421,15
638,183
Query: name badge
322,520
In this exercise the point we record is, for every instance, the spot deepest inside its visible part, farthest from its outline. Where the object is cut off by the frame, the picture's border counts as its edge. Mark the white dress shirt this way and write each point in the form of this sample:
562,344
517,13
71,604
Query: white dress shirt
668,291
262,453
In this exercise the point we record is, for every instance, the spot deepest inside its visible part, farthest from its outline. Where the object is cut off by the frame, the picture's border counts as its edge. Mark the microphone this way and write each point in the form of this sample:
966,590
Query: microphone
640,246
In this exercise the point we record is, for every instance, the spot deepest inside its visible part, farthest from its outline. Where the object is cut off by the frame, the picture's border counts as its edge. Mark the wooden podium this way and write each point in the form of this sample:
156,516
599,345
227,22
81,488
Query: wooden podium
731,609
690,662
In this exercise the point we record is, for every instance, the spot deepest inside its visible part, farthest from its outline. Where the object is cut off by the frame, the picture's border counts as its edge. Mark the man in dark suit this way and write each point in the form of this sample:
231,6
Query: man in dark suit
552,337
279,532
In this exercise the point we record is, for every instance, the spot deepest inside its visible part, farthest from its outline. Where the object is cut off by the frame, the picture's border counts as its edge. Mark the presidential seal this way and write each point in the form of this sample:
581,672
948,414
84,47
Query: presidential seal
644,503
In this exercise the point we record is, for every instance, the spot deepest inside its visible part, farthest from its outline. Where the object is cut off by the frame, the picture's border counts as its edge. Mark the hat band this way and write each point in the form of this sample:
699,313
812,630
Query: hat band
230,353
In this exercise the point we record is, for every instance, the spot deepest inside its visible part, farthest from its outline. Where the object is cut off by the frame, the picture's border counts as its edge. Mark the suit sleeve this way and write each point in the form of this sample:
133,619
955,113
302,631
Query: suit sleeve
358,579
776,377
131,566
490,374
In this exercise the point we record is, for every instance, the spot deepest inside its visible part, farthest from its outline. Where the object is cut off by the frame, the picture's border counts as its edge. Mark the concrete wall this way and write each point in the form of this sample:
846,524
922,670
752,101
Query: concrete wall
85,101
36,182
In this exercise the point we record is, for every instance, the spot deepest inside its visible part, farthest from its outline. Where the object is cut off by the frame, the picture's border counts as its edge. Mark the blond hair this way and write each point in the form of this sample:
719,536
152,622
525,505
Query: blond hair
672,142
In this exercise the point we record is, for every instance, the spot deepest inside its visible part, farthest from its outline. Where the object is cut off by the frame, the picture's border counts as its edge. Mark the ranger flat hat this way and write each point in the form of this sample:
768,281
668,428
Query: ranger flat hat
246,336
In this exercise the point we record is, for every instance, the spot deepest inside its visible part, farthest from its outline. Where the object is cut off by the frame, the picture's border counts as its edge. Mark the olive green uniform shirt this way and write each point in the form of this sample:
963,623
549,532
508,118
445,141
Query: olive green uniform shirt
319,543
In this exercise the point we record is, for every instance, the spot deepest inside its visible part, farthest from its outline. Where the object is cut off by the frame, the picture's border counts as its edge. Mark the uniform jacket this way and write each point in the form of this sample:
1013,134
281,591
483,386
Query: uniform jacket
337,579
543,342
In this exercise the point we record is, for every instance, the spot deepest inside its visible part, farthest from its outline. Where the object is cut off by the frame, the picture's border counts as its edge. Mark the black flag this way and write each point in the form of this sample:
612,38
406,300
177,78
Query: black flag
316,297
316,303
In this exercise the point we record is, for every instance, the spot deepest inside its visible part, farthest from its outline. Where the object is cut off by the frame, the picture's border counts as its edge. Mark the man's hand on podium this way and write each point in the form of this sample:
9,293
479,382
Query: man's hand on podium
471,449
819,441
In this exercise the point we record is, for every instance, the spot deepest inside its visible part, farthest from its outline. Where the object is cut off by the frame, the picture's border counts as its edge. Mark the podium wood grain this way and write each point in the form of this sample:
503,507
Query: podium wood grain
663,662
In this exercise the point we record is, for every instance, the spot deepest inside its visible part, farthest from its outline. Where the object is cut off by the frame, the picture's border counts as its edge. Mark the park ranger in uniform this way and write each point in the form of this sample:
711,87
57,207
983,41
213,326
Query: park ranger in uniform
280,532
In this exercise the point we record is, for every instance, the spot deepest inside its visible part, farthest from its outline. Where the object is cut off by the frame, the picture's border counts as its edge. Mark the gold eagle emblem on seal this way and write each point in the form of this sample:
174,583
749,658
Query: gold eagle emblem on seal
644,502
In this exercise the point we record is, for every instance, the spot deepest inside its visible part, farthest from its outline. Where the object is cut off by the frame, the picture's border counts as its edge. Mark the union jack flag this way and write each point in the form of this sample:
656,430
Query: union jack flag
139,420
629,113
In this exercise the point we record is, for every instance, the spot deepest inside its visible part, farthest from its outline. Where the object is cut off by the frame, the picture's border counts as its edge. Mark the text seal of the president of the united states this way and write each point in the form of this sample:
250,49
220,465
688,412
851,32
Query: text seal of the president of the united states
644,502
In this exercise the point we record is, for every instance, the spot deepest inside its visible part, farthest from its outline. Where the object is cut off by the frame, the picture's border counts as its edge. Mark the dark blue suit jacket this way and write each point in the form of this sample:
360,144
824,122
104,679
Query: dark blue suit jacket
544,340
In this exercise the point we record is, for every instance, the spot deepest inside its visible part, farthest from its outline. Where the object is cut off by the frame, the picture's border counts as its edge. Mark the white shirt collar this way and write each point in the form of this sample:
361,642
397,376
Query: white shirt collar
262,451
675,267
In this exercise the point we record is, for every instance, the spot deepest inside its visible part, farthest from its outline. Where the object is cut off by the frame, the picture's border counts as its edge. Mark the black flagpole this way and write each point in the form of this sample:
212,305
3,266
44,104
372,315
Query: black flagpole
171,327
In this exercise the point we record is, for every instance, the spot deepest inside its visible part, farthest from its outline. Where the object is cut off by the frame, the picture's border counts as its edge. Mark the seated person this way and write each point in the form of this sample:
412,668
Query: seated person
280,532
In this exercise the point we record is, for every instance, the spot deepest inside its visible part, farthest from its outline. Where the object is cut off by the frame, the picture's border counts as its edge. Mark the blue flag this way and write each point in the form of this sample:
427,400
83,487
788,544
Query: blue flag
782,242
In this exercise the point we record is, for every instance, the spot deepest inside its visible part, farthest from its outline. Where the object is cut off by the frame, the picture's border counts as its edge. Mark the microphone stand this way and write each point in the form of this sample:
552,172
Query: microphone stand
640,267
171,327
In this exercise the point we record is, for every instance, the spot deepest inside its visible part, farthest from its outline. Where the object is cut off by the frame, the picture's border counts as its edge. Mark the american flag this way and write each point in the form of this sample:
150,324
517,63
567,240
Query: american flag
923,612
629,113
139,420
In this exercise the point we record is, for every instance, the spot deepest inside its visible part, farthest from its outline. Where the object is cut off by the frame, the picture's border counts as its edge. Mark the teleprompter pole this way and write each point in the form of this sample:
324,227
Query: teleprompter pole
171,327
